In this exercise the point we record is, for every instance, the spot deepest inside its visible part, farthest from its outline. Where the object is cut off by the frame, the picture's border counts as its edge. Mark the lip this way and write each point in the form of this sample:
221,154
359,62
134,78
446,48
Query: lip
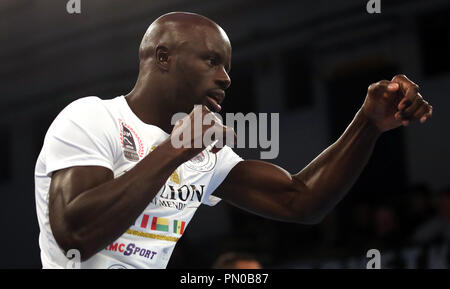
213,104
215,98
217,95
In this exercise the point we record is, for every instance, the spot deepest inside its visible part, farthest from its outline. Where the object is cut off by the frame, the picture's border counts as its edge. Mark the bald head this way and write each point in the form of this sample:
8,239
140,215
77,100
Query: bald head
174,29
185,59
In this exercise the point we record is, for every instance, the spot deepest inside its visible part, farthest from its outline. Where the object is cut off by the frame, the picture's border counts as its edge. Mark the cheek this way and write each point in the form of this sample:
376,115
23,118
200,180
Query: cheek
191,79
188,76
195,83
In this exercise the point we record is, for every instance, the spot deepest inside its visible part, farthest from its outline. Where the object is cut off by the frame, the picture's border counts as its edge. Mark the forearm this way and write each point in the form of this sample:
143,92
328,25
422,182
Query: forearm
306,197
100,215
331,174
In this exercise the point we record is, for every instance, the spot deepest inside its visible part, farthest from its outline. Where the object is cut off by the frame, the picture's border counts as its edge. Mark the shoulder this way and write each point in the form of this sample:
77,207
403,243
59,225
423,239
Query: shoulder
88,104
225,160
90,109
84,114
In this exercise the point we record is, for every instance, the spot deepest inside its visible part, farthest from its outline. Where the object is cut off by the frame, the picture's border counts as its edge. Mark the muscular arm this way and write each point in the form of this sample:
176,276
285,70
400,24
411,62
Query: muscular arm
89,209
306,197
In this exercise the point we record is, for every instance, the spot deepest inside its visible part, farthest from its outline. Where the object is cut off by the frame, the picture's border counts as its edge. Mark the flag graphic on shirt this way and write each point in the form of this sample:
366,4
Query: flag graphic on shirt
160,224
178,227
144,221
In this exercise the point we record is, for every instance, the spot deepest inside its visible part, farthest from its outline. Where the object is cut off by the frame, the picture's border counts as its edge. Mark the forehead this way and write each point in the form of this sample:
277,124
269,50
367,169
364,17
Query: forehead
209,38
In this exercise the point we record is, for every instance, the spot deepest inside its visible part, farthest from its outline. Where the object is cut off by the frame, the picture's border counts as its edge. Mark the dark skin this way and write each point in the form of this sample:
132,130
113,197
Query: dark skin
185,60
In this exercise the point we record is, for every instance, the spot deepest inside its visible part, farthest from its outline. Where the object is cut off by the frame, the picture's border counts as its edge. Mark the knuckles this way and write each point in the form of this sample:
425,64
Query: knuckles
371,87
378,86
374,87
400,77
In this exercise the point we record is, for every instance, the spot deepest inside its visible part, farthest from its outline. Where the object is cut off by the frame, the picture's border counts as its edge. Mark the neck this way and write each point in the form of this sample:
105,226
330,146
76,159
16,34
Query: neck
150,105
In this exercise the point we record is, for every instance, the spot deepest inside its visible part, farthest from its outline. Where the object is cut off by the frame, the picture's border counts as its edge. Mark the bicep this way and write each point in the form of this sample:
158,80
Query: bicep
70,182
66,185
261,188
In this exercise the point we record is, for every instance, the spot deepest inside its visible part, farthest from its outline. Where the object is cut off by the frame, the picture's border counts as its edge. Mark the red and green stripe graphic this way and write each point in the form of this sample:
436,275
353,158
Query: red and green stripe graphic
178,227
160,224
144,221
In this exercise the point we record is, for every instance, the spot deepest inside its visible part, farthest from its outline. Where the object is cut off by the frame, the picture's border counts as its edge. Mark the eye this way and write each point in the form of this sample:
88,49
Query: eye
212,61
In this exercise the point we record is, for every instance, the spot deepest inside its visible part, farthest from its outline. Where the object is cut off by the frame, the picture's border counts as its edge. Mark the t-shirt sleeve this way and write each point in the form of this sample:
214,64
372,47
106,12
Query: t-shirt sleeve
81,135
226,160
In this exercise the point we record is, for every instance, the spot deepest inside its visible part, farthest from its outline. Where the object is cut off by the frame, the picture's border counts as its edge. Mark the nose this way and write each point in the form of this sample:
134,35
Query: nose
223,79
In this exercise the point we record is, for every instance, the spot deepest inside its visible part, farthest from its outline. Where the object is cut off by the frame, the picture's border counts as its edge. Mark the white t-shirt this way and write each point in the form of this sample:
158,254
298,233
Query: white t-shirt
96,132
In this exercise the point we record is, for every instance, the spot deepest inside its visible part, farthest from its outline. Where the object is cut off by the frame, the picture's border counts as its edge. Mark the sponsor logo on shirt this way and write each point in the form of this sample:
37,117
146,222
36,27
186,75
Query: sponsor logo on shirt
133,148
175,195
178,197
131,250
203,162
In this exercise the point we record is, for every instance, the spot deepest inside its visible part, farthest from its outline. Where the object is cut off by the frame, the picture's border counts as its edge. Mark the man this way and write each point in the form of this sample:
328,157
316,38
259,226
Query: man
110,184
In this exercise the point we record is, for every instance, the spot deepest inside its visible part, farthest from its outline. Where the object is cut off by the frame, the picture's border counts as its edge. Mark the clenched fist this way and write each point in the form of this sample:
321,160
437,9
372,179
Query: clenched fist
199,129
390,104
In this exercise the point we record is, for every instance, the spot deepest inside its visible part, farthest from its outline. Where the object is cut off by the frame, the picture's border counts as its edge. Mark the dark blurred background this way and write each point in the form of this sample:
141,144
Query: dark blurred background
311,61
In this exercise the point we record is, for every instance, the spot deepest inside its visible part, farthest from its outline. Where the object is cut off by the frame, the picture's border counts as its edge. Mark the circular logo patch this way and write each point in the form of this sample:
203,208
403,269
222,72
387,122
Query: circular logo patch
203,162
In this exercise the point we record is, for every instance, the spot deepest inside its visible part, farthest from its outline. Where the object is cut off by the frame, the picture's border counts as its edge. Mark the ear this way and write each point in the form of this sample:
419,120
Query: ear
162,57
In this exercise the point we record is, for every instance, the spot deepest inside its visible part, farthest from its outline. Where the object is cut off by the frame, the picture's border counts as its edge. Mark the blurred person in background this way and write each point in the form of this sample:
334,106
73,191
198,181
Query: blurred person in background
235,260
437,229
387,227
361,229
416,208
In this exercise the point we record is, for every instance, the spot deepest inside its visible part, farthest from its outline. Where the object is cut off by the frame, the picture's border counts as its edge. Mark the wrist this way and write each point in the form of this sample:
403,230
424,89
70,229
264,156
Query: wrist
366,123
177,156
